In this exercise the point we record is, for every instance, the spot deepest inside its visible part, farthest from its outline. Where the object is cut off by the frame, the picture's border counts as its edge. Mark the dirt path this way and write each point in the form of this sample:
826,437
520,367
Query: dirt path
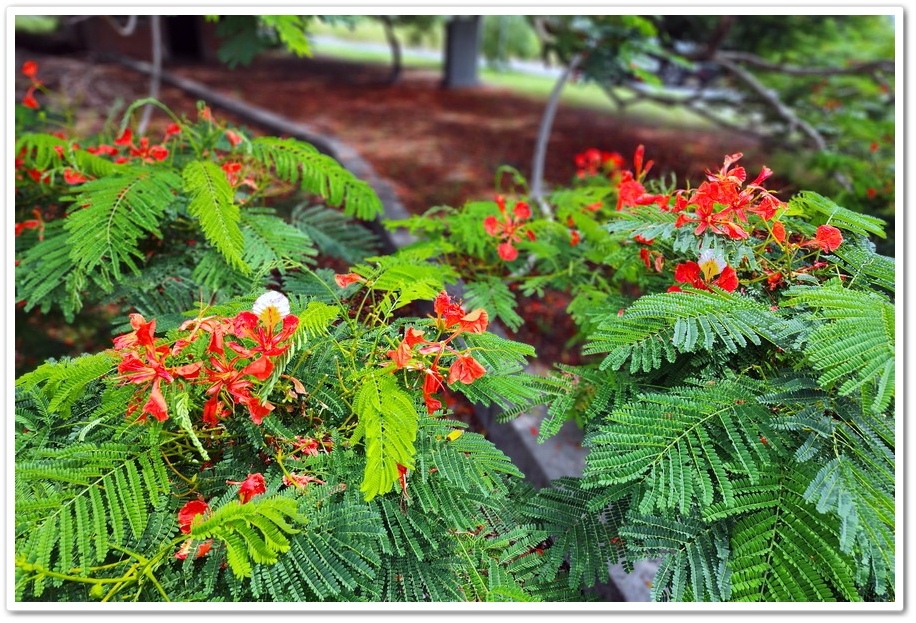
435,146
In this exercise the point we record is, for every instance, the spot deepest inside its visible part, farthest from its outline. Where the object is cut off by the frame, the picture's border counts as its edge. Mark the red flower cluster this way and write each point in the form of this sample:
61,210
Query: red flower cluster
630,190
592,162
186,516
710,270
509,228
228,378
415,352
30,71
721,205
142,150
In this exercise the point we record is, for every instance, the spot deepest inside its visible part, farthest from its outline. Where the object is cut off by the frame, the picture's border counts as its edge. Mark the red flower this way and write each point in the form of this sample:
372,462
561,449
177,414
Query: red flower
474,321
29,100
827,238
29,224
779,232
231,169
253,485
103,150
413,337
30,69
630,191
185,549
188,512
126,138
448,312
402,355
234,139
74,177
510,228
344,280
574,238
507,251
173,129
700,274
300,480
247,324
432,382
465,369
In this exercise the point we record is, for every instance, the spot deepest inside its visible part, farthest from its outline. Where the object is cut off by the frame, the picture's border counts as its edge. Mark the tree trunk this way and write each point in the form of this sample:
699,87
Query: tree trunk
396,64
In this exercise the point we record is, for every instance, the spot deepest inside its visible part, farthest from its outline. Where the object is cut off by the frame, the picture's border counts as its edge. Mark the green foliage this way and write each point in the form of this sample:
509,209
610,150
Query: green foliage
388,422
736,384
300,163
185,214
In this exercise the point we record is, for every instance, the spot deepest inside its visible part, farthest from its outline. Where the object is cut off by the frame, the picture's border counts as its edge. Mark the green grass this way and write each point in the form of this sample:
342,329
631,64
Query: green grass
37,24
587,95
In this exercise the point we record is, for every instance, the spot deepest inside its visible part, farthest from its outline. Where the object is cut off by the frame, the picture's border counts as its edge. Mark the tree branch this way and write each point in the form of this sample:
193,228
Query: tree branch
540,151
871,67
156,74
773,101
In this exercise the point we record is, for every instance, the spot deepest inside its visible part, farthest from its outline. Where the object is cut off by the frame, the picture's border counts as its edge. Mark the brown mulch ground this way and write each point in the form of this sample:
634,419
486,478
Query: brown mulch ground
434,145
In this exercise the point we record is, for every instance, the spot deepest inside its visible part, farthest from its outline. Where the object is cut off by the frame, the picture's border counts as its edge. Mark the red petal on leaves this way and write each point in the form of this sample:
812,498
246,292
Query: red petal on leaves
465,369
474,321
188,512
156,405
728,280
253,485
507,251
257,410
261,368
344,280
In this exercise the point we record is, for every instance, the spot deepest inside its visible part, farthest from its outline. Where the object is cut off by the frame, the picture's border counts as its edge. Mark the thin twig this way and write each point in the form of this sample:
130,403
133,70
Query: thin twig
156,73
540,151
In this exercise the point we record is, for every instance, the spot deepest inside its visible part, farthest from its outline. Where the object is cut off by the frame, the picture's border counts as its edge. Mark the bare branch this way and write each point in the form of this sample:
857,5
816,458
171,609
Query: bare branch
156,74
127,29
773,101
871,67
540,151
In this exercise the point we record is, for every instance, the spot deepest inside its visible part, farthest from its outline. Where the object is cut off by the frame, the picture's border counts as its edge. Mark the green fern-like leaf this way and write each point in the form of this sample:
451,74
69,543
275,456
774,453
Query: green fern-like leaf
580,537
686,445
658,326
787,551
694,556
63,383
492,294
269,240
212,203
335,234
388,423
112,216
254,533
300,163
809,202
858,258
855,344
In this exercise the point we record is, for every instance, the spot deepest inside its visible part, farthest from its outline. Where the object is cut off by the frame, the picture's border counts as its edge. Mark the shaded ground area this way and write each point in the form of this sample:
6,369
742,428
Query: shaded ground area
436,146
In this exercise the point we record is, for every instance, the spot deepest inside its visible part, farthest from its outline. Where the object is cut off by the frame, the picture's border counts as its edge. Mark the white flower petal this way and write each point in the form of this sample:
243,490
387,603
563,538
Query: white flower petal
271,299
